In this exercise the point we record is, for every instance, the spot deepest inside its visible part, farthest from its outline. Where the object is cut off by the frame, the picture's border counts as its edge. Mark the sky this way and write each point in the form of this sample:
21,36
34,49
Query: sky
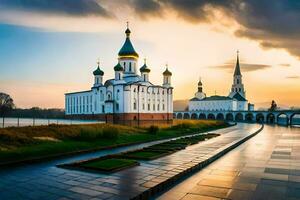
50,47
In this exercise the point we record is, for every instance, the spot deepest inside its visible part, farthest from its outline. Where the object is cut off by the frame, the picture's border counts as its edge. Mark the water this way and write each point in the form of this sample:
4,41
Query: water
13,122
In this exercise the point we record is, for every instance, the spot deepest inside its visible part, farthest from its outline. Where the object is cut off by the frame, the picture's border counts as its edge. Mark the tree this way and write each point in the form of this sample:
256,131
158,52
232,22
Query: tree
273,106
6,105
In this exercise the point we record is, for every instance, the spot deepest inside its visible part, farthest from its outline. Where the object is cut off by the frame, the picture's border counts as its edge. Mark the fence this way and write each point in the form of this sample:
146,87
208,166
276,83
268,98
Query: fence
19,122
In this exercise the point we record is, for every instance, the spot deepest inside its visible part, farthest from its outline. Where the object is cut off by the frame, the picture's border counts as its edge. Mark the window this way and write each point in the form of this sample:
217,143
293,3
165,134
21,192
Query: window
157,107
134,104
119,75
118,94
163,106
148,106
117,107
153,107
130,67
143,106
103,108
237,81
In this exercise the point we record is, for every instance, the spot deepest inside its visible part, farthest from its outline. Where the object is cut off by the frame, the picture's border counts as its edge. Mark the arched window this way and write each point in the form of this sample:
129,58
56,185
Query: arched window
148,106
134,104
117,107
130,66
118,94
119,76
237,81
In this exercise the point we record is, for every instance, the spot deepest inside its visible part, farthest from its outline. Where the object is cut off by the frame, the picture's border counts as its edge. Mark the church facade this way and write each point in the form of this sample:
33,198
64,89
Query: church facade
128,97
235,101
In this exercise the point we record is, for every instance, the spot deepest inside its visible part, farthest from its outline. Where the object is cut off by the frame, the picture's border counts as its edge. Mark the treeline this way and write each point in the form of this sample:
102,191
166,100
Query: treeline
37,112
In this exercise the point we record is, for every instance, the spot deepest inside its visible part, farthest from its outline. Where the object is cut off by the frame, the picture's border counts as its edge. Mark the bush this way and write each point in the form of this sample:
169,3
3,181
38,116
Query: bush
110,132
88,134
153,129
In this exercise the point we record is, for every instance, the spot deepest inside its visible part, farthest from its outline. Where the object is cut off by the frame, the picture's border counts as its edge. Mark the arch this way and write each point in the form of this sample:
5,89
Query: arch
186,116
260,118
229,117
220,116
239,117
249,117
194,116
295,120
282,119
211,116
202,116
179,116
270,118
174,115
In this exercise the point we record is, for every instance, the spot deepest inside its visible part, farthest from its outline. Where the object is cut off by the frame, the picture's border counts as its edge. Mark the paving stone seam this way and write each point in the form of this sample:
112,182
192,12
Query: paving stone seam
197,167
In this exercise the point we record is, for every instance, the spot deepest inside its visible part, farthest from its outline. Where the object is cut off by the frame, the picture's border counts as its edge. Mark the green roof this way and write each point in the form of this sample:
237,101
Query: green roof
239,97
237,70
127,48
98,72
167,72
216,98
118,67
145,68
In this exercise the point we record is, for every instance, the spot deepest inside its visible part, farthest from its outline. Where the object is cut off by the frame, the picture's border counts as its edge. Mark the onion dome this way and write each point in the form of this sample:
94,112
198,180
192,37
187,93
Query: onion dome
145,68
127,49
98,71
199,83
118,67
167,72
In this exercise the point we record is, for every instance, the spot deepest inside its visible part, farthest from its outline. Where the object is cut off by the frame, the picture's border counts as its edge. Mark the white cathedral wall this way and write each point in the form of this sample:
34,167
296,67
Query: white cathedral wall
218,105
242,105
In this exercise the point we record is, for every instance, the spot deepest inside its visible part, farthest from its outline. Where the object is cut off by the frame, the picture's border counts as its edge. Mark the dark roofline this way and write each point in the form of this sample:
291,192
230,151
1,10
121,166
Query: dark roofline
78,92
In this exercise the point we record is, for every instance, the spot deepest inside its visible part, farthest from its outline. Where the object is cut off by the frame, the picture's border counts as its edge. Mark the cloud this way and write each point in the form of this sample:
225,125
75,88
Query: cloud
63,7
274,24
293,77
245,67
285,65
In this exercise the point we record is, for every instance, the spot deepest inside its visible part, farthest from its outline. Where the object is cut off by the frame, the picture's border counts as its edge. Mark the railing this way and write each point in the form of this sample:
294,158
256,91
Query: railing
19,122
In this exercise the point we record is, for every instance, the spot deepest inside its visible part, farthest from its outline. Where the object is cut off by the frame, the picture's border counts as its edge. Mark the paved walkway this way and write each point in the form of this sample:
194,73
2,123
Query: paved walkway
46,181
265,167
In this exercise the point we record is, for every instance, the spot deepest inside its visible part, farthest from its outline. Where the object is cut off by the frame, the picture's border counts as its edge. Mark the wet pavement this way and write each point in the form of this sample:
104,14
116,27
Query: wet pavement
265,167
46,181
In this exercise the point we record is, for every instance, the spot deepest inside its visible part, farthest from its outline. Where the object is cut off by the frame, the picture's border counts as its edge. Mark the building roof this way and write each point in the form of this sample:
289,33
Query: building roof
127,48
98,72
118,67
239,97
145,68
167,72
237,70
212,98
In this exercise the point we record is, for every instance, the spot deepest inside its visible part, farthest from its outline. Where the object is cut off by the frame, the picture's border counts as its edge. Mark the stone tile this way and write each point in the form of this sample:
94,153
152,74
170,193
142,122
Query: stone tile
210,191
198,197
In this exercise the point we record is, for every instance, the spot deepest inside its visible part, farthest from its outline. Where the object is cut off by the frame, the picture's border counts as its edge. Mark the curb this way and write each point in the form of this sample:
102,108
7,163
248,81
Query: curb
72,153
173,180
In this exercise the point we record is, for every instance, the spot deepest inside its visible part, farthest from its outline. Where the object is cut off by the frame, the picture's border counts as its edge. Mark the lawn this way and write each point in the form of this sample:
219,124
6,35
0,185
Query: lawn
26,143
145,154
109,165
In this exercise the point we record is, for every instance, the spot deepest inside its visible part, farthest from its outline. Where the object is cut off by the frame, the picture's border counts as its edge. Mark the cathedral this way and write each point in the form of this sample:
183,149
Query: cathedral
235,101
128,97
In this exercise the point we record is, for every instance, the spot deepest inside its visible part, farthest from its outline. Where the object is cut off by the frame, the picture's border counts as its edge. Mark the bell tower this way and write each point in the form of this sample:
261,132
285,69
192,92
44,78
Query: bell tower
237,86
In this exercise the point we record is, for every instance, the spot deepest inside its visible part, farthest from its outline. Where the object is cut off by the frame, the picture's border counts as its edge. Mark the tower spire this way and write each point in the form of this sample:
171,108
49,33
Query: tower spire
127,32
237,71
